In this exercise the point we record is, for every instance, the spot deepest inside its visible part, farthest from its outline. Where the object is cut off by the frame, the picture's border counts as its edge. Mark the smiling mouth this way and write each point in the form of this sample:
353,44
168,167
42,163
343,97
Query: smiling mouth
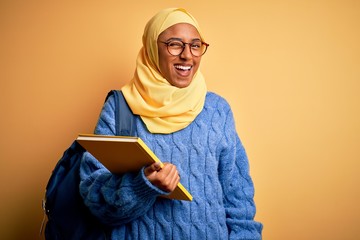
183,68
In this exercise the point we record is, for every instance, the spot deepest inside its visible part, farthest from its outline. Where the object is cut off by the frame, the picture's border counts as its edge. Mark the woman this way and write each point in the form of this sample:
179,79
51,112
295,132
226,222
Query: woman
190,129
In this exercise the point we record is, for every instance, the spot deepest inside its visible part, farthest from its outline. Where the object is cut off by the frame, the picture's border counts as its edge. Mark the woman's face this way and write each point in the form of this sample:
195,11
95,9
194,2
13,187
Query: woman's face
178,70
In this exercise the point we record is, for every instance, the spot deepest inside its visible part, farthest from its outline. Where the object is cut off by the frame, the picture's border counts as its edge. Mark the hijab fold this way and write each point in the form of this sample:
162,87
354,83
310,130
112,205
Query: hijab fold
163,108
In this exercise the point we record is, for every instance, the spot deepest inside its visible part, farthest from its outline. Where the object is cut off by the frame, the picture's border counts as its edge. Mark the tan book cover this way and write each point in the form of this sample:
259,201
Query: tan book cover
121,154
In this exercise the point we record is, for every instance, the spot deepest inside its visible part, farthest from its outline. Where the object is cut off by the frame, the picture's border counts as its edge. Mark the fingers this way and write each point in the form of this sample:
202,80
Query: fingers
171,178
152,168
165,178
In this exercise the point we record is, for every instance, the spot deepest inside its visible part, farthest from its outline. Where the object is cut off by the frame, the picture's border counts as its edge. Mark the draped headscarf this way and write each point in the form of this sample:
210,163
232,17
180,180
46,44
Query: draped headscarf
163,108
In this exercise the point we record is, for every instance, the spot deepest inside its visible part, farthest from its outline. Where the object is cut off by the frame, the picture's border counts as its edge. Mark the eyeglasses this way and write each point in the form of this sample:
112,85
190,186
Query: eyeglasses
177,47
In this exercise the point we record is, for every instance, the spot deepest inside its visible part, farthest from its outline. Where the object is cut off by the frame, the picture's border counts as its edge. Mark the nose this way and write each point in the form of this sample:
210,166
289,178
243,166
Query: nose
186,53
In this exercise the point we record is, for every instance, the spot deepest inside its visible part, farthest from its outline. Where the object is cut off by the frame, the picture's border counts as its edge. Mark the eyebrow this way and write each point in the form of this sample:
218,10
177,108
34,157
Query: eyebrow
179,39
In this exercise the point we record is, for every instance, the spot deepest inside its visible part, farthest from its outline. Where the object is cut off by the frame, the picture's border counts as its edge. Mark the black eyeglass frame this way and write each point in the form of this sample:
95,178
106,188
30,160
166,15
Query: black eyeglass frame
184,45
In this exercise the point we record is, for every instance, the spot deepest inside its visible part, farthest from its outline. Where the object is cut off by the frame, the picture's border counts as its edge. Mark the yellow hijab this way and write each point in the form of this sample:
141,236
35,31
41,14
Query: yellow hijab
163,107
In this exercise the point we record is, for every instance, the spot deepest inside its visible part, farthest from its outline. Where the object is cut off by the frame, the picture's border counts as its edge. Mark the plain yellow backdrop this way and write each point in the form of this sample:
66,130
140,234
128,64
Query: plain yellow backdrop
290,70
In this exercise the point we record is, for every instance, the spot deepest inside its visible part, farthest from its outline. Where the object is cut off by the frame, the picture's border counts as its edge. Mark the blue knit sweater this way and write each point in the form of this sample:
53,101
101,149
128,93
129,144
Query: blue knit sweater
213,166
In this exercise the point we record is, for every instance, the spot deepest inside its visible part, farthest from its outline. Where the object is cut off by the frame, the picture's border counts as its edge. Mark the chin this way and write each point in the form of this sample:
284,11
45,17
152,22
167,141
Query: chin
181,82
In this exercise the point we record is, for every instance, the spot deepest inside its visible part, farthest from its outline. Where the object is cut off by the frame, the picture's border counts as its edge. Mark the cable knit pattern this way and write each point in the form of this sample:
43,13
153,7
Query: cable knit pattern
213,166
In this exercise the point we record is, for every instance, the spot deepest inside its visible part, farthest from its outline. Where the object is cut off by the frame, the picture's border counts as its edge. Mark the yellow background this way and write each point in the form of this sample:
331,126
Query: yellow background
290,70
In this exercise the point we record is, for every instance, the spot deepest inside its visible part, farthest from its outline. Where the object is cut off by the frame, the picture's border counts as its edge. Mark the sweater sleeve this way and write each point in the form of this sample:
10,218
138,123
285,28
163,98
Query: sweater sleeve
237,186
114,199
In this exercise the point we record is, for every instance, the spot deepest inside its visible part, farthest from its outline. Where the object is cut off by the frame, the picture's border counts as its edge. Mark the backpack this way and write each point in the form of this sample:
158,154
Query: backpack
68,217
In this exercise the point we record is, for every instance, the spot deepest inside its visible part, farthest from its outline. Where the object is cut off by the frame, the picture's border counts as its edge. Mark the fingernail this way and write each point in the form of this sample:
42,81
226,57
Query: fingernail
157,165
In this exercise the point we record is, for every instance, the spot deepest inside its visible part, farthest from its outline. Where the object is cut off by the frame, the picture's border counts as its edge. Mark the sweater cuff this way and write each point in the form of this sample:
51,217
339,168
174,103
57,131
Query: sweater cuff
145,189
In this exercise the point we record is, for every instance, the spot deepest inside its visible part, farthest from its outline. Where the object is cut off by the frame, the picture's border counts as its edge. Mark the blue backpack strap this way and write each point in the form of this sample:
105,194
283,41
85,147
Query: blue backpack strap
124,117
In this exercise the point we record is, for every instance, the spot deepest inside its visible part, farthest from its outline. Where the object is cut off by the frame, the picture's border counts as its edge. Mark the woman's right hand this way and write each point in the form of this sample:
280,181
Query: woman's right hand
166,177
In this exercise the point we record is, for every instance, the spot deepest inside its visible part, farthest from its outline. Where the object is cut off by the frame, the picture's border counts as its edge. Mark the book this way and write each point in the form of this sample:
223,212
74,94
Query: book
122,154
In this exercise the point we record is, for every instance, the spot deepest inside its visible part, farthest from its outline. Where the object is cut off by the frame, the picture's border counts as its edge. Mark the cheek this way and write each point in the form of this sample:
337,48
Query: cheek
162,63
197,64
165,66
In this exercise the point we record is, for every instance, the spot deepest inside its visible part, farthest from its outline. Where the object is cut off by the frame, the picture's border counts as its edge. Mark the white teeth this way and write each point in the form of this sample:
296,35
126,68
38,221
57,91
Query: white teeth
183,67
